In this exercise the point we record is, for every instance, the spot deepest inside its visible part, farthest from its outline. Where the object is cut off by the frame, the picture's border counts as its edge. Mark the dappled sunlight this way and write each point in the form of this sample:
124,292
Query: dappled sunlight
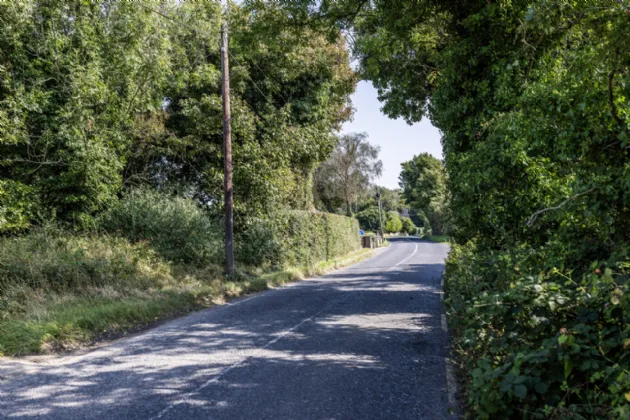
358,323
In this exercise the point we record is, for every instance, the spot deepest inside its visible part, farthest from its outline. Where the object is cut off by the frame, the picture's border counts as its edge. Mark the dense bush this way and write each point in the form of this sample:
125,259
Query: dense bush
408,226
369,219
310,237
257,243
554,344
393,224
174,226
18,205
423,180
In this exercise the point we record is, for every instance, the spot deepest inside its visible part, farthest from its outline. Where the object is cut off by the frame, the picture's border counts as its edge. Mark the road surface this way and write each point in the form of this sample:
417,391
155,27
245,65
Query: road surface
366,342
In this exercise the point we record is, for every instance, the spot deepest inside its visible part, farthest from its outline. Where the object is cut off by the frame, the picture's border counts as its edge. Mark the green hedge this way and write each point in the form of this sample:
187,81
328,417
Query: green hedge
306,238
538,344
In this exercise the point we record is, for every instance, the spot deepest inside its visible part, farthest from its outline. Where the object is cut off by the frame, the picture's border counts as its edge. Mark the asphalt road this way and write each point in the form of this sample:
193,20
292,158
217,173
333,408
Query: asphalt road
366,342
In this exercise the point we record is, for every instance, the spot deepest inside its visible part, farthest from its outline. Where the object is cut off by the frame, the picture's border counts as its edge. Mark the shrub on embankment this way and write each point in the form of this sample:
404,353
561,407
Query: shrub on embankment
60,289
176,227
180,231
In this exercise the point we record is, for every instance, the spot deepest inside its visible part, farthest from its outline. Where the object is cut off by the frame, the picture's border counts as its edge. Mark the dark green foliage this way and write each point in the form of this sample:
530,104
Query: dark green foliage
73,76
532,100
257,243
369,219
285,103
176,227
99,96
390,199
551,343
18,206
423,183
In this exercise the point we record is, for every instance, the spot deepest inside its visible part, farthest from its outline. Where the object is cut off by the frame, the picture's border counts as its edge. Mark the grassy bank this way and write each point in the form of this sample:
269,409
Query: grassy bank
150,257
60,292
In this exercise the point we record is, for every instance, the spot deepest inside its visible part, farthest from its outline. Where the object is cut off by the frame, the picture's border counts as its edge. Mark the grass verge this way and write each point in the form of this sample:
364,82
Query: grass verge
437,238
60,293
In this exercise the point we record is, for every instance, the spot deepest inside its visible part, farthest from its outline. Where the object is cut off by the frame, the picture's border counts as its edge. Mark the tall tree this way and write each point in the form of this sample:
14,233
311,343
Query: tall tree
347,173
423,182
73,78
286,102
96,96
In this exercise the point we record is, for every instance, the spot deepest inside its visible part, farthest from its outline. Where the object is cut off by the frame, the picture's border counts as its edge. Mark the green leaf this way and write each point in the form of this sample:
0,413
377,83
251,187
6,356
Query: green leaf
520,391
568,368
541,387
530,14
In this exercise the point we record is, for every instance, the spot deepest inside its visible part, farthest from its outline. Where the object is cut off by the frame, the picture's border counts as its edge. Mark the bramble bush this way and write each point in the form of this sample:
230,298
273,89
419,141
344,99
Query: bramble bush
547,345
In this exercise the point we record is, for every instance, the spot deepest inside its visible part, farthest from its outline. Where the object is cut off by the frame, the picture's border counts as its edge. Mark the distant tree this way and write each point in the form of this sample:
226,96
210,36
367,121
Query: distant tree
342,179
393,223
423,181
369,219
390,199
408,225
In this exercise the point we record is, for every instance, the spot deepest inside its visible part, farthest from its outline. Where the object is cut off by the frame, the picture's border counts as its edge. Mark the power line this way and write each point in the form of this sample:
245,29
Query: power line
254,83
229,52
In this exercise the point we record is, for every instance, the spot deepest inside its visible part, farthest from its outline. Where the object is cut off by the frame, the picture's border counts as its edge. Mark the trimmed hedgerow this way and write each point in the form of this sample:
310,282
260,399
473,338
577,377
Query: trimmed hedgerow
307,238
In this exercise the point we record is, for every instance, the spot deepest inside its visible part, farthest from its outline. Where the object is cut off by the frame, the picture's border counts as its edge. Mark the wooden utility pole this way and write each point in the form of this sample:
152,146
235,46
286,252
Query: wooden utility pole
227,149
380,211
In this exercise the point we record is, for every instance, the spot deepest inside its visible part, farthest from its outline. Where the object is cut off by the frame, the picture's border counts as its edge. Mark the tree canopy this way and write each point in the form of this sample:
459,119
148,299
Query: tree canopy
99,96
347,173
423,183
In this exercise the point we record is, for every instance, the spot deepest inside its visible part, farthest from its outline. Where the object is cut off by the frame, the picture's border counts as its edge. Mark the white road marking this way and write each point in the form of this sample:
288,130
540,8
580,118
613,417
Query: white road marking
218,377
412,254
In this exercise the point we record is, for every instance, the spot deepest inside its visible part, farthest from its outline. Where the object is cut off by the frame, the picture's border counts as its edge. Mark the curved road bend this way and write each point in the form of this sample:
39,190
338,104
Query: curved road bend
366,342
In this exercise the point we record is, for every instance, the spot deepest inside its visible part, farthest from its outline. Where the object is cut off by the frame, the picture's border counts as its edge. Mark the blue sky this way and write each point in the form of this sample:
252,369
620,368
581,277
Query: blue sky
398,140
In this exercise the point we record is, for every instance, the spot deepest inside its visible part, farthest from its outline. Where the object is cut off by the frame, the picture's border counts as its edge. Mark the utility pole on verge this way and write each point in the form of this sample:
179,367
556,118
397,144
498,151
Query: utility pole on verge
227,149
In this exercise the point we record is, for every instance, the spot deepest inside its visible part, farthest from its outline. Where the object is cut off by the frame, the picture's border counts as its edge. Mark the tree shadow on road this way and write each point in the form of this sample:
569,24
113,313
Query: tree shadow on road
376,350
